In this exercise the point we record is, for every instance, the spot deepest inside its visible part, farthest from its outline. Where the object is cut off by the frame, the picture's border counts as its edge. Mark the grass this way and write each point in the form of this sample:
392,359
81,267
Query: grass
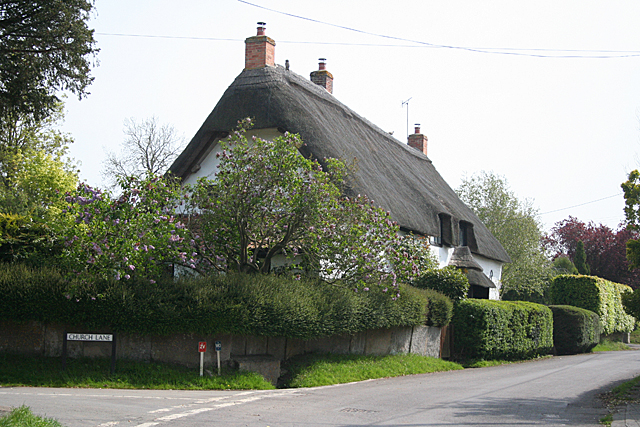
481,363
23,417
308,370
607,345
16,370
312,370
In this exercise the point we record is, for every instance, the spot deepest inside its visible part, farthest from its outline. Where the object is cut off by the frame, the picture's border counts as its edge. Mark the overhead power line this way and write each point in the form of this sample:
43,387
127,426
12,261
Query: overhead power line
582,204
536,53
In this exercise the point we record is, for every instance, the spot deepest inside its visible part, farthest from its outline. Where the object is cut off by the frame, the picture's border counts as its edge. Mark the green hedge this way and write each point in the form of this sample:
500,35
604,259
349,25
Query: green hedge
575,330
488,329
450,281
266,305
595,294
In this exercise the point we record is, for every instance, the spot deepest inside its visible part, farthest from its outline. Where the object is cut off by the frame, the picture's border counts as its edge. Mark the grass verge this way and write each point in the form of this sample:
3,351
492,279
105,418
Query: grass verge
607,345
313,370
23,417
17,370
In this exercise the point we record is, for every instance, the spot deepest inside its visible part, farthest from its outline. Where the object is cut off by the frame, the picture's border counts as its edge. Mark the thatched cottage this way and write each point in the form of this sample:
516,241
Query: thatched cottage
398,176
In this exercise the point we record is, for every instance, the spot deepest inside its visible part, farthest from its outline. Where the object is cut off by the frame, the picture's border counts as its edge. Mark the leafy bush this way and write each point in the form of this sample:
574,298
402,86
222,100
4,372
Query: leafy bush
439,306
450,281
23,240
490,329
595,294
575,330
631,303
266,305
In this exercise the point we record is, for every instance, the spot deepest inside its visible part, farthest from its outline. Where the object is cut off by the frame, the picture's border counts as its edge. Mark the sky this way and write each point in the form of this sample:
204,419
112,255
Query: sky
545,94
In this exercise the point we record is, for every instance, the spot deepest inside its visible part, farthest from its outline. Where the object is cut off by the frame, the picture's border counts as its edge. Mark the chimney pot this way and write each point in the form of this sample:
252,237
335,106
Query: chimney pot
262,28
259,50
322,77
418,140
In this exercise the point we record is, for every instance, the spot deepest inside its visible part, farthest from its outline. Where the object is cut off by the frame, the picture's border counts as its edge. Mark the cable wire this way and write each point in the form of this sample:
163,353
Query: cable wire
582,204
597,54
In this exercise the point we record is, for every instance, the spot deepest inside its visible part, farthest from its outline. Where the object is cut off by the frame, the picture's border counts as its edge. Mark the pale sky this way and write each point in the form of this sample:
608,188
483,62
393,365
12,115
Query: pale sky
561,126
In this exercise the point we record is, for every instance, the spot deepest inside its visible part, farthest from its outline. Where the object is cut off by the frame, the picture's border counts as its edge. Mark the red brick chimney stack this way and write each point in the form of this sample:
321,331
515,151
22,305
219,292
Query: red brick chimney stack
259,50
322,77
418,140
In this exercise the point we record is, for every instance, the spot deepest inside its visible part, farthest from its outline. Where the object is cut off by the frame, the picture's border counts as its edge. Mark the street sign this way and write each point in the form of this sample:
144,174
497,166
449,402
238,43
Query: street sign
202,346
218,350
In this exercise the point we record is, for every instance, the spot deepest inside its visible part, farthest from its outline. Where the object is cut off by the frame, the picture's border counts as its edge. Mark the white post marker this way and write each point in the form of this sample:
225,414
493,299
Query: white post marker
202,347
218,350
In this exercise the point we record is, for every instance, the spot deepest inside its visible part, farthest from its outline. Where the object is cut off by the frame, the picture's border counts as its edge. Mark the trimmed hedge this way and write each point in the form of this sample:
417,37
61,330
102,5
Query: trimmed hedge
450,281
575,330
264,305
595,294
488,329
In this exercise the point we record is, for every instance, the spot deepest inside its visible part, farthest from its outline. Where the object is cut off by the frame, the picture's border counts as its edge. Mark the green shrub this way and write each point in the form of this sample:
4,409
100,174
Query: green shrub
25,241
575,330
631,304
595,294
266,305
488,329
450,281
439,306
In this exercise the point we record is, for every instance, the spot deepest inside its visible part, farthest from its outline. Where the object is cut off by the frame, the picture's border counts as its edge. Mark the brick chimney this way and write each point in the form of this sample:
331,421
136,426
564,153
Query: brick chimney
322,77
418,140
259,50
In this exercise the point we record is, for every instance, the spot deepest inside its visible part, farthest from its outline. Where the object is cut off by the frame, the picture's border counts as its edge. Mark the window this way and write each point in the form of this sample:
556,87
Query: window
446,235
466,237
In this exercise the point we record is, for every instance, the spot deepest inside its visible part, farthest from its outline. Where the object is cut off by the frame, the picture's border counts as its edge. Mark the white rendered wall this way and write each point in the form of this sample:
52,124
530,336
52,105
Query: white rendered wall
491,268
209,165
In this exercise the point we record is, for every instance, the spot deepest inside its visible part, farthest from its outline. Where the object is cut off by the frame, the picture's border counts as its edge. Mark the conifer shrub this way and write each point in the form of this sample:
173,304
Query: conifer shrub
488,329
575,330
595,294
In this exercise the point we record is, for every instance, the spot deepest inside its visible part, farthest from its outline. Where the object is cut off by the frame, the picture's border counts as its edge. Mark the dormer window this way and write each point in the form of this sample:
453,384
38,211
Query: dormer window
446,235
466,237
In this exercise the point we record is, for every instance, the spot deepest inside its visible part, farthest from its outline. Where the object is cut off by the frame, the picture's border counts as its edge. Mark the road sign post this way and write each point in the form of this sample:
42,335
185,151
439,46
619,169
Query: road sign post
218,350
202,348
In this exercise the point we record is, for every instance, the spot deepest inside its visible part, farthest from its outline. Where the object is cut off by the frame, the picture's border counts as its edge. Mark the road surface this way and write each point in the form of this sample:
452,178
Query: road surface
551,392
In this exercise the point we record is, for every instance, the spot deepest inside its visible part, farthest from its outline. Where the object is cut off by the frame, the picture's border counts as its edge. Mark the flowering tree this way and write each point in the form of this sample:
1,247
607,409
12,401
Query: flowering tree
267,202
266,205
137,233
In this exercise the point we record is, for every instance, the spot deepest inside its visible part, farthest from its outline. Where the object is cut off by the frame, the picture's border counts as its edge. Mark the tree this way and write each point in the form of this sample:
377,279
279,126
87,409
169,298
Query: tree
514,223
563,265
605,248
631,189
267,204
138,233
267,201
580,259
45,47
149,149
34,169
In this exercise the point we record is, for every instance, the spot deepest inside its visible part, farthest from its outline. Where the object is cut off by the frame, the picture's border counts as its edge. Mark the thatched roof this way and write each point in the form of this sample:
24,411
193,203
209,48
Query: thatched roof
463,259
397,177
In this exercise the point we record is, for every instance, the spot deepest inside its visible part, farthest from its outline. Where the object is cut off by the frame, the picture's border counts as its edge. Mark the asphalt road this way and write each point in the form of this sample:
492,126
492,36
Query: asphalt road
550,392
